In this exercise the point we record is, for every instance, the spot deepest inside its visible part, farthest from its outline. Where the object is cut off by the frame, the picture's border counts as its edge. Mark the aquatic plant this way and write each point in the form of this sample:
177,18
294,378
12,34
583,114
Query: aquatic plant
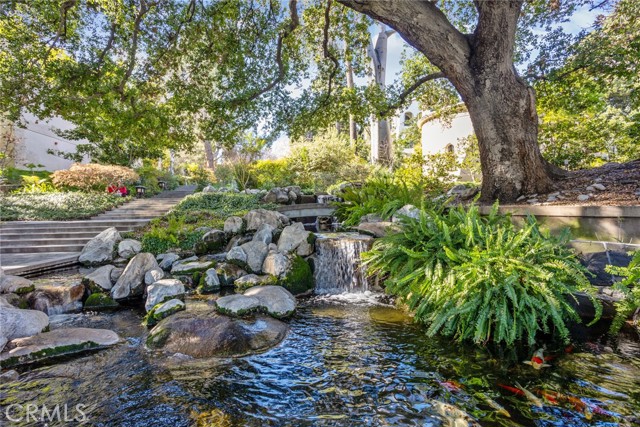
630,287
480,278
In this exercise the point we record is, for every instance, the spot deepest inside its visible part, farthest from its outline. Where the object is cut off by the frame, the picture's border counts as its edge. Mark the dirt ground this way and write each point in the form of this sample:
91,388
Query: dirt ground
614,184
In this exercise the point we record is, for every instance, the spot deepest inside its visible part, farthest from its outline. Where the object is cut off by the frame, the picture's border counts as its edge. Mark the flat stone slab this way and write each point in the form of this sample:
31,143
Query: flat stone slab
56,343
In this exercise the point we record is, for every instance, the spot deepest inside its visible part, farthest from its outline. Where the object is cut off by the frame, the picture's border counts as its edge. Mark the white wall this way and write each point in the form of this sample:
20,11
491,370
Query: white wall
33,142
437,135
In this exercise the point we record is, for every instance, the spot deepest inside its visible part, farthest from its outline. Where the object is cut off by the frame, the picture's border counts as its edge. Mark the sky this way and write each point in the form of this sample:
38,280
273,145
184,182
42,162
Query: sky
582,19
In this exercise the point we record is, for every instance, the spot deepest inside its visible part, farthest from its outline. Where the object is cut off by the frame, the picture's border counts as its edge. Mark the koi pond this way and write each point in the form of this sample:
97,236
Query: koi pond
348,360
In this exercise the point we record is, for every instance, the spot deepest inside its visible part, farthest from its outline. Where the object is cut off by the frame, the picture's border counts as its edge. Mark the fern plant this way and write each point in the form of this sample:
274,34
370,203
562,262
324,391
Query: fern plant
630,287
382,195
480,278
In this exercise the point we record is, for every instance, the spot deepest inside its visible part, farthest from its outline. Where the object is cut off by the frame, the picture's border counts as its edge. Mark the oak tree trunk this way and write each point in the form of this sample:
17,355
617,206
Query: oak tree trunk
480,66
208,153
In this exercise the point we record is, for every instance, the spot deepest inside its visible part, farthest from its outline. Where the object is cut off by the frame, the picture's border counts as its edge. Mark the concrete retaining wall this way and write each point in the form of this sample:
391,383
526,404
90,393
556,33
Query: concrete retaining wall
602,223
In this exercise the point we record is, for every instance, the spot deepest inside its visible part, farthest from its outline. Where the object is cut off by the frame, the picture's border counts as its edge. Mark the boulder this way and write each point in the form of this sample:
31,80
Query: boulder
18,323
168,260
100,279
407,211
131,283
153,276
209,282
55,298
377,229
238,241
275,300
228,273
186,268
237,256
15,285
237,305
209,189
234,225
208,334
265,234
213,241
162,311
128,248
100,302
295,238
257,217
457,190
59,342
251,280
163,290
116,273
99,250
299,278
256,252
276,264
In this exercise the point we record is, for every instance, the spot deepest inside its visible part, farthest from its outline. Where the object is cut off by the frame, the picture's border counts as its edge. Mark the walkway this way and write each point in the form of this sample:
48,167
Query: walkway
28,247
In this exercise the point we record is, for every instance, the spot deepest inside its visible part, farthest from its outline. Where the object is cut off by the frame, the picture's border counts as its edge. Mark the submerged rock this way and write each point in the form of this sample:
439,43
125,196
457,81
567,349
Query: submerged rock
163,290
100,249
208,334
131,283
15,284
162,311
57,298
275,300
56,343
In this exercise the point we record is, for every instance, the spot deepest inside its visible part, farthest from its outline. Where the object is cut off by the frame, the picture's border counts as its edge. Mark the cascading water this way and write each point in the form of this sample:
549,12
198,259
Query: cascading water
338,266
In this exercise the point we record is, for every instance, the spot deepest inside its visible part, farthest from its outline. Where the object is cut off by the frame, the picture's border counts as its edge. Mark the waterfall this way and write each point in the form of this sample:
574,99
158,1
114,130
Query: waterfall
337,263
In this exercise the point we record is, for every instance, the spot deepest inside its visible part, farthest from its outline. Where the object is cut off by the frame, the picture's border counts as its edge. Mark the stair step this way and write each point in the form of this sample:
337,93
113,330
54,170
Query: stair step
48,235
7,243
72,224
88,229
41,249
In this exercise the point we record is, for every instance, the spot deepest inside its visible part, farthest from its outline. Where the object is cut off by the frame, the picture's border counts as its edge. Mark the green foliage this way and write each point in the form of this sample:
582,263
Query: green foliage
630,287
34,184
480,278
56,206
326,158
179,227
300,278
382,195
268,173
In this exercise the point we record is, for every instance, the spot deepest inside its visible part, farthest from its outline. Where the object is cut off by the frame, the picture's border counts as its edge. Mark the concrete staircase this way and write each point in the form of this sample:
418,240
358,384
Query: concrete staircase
30,247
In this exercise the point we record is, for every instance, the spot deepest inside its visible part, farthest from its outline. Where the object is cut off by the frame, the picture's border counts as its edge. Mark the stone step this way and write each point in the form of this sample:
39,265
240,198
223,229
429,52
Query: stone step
41,249
73,224
9,243
81,229
47,235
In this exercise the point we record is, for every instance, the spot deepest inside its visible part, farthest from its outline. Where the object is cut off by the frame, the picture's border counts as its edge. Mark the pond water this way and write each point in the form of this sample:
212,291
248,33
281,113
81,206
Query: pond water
346,362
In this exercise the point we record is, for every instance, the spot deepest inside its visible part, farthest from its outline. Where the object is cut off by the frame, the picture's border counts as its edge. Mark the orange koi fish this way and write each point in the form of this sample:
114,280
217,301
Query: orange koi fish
537,360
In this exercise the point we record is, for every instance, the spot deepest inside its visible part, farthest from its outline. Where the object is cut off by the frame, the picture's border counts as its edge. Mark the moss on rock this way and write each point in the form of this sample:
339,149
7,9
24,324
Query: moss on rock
299,279
100,301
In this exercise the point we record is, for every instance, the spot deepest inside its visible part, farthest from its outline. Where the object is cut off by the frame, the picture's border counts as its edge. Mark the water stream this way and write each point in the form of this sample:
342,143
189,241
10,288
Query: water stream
337,263
342,364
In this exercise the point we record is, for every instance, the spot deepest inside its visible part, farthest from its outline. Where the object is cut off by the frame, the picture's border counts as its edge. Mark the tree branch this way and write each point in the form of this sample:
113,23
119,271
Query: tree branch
409,90
325,47
144,8
295,23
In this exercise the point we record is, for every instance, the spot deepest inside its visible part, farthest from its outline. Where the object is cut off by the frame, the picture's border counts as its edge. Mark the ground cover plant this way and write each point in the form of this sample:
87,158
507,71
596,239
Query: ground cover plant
190,219
480,278
56,206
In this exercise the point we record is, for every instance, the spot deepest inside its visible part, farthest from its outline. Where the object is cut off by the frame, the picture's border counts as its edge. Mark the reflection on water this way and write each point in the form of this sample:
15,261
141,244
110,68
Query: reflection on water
341,365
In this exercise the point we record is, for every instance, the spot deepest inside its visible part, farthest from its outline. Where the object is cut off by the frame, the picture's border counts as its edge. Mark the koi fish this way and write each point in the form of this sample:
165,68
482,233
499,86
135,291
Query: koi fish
452,386
530,396
514,390
549,396
580,406
454,416
537,360
495,405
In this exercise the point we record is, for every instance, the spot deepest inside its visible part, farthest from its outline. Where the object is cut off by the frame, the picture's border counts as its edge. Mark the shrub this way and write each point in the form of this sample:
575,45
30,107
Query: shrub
93,176
382,195
56,206
32,184
630,287
173,233
272,173
479,278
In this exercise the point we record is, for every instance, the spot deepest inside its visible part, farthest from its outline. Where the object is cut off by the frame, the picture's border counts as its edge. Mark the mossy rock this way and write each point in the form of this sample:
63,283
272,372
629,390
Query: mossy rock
299,279
25,290
100,301
158,312
251,280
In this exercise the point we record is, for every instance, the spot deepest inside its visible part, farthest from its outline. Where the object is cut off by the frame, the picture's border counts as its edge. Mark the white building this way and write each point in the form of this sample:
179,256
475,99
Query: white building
30,145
